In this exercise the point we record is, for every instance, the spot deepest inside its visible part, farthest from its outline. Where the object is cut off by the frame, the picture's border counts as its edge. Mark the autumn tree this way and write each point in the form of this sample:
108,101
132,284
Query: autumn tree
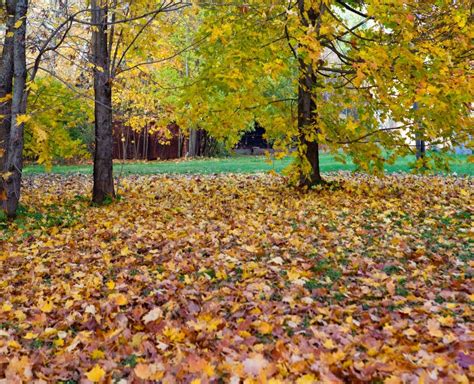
356,69
14,73
116,28
368,65
114,35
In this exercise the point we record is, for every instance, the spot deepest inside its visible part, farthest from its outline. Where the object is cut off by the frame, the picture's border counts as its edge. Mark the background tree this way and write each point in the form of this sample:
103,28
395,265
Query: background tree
60,127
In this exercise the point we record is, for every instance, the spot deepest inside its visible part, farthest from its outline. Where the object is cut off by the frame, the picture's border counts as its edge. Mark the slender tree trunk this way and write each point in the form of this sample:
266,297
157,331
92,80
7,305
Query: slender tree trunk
14,159
420,149
103,163
6,84
180,142
419,142
192,150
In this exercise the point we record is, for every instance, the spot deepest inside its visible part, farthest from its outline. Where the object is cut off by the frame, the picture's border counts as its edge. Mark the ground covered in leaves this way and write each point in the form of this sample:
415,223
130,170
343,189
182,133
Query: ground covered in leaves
239,279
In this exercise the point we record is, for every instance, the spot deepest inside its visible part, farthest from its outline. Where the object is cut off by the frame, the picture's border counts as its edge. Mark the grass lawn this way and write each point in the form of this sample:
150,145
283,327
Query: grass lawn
240,164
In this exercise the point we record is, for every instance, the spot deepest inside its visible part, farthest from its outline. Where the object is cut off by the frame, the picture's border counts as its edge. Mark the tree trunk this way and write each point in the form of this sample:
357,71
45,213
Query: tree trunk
6,83
307,108
103,164
419,142
192,150
14,159
306,126
420,149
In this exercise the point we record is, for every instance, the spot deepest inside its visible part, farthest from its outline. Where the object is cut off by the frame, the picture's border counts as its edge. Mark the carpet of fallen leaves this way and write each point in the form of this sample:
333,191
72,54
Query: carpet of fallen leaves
239,279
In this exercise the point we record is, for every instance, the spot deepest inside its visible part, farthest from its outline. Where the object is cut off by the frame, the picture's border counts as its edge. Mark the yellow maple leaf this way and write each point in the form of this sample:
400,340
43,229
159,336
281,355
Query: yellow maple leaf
446,321
95,374
47,307
293,274
97,354
329,344
119,298
20,119
209,370
110,284
5,176
20,315
410,332
306,379
372,352
174,334
263,327
30,336
13,344
461,378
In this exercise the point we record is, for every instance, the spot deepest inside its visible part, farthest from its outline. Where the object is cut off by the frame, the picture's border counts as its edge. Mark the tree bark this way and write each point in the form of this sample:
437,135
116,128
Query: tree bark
14,159
103,163
420,149
419,142
6,84
307,115
307,108
192,150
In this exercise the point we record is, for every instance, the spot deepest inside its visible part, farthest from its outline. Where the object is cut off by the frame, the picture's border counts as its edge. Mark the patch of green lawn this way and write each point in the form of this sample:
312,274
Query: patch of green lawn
238,164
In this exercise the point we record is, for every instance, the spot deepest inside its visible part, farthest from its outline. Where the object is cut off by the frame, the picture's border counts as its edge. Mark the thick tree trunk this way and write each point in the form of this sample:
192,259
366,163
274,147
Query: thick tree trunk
306,126
103,164
307,108
14,159
6,83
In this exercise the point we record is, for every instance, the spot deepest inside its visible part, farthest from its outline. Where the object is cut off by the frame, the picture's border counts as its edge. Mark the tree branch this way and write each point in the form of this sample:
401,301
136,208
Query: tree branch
349,8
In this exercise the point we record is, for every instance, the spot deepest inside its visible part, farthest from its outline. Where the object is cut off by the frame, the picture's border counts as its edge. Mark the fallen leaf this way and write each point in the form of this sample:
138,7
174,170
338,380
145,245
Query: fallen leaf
95,374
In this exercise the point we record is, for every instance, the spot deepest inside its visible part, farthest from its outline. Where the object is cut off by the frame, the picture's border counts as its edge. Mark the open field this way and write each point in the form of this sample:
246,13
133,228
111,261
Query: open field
241,164
228,278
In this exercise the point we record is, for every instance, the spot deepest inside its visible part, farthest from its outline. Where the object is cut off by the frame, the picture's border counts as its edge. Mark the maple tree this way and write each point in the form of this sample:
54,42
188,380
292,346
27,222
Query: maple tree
367,77
110,45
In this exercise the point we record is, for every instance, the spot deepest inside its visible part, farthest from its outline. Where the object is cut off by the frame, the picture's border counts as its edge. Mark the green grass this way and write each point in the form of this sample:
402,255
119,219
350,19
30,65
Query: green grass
239,164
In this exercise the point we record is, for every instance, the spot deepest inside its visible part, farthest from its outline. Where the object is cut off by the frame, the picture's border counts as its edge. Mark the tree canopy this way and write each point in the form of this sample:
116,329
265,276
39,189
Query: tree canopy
361,79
